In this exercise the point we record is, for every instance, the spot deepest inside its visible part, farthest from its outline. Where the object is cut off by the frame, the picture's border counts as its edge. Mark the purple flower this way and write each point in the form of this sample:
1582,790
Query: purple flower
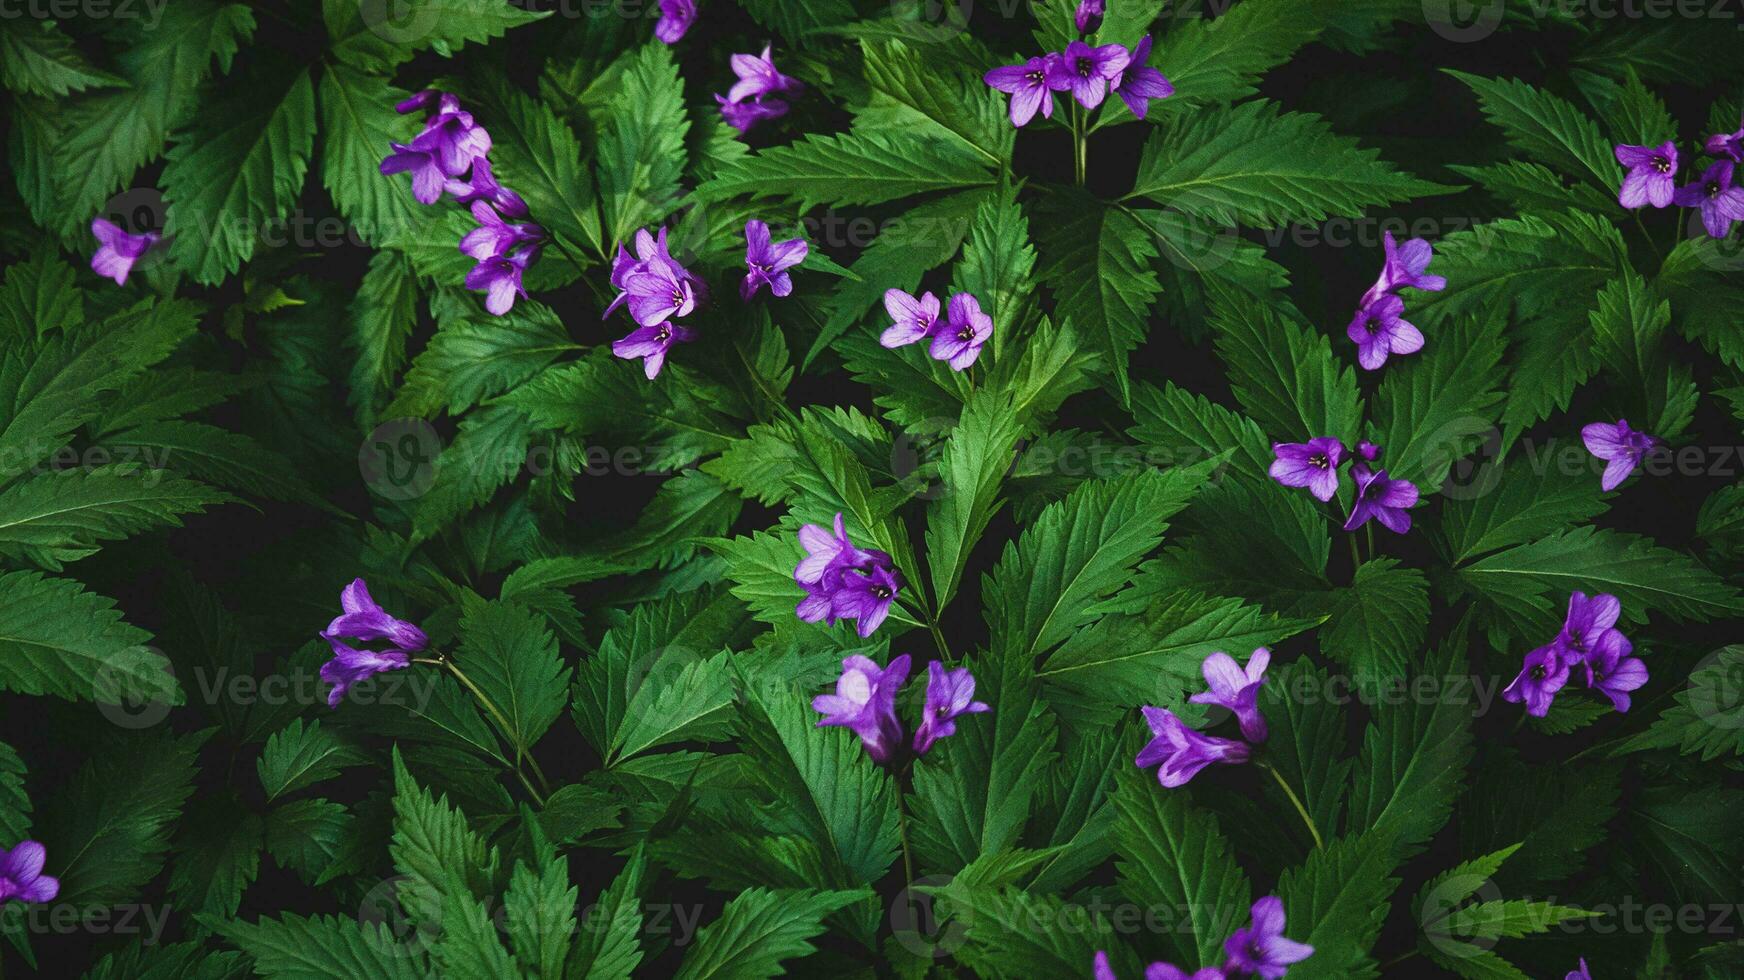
1541,676
1261,948
743,115
453,140
949,694
1588,625
1028,86
1404,266
1380,329
500,278
1086,71
651,345
1139,84
658,293
1237,689
419,101
117,250
428,177
1089,15
21,874
1651,170
915,319
865,703
1181,750
825,551
1368,450
1312,464
1728,145
676,16
966,329
758,77
865,596
364,620
494,236
1619,446
1720,202
1384,499
1612,670
842,581
1101,970
1581,973
767,263
650,253
483,186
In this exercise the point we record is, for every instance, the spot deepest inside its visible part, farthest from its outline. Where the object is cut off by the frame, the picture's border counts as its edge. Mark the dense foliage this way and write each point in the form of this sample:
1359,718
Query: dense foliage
856,489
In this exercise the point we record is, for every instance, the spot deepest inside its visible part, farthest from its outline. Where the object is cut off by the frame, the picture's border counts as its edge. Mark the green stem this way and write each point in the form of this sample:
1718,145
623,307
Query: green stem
939,640
1355,559
1369,539
1080,143
503,723
1301,810
902,831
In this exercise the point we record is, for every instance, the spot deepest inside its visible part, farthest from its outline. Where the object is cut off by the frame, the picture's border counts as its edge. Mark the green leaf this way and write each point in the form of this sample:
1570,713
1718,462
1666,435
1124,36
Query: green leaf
933,94
378,37
683,698
612,951
1256,165
300,755
976,458
1379,622
641,152
239,168
1414,754
1009,934
39,296
759,930
997,264
800,23
511,655
1678,832
537,153
1173,856
1307,743
323,947
14,802
1284,374
540,910
1629,331
475,355
305,835
214,455
37,59
1336,901
1705,721
610,402
383,315
1546,127
849,169
58,639
1096,259
1437,407
217,857
1557,814
358,121
487,454
1520,501
1641,574
63,516
436,850
1221,59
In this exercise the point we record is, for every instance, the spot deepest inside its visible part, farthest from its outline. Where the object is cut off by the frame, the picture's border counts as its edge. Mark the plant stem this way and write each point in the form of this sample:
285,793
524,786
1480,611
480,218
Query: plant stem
1302,811
503,723
1355,559
1080,144
1369,539
939,640
902,830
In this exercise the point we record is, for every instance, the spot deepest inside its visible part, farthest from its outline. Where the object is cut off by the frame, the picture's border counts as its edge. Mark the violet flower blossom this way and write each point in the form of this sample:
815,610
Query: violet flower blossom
1612,671
949,694
1261,948
499,276
494,236
1028,86
966,330
1182,751
1140,83
21,876
1312,464
1403,266
1088,16
759,77
865,703
744,115
1579,973
1588,624
651,344
915,319
1237,689
1101,970
1719,201
658,292
1086,71
1543,673
365,621
865,596
1728,145
1621,447
676,16
482,186
825,550
1651,172
651,253
766,263
1382,498
428,177
842,581
1380,329
117,251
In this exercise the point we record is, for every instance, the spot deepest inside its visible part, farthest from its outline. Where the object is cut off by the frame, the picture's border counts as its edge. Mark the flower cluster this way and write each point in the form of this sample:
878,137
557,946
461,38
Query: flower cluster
1258,949
450,156
656,289
1314,464
676,16
865,703
1183,752
956,340
364,621
842,581
117,250
1619,446
1652,178
21,876
1379,327
1088,72
1589,638
750,100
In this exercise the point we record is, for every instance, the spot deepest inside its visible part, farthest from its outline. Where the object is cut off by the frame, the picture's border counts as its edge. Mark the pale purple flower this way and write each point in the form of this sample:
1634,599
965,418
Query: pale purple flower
1588,625
1543,673
1140,83
482,185
651,252
651,344
658,293
949,694
1086,71
1580,973
499,276
1181,750
420,100
1719,201
1368,450
1089,15
1027,84
865,596
1380,329
428,178
842,581
914,319
1312,464
494,236
1728,145
453,140
1619,446
1237,689
766,262
1650,176
1260,948
1405,266
117,250
21,876
1612,670
965,331
364,620
676,16
825,550
744,115
1382,498
865,703
758,77
1101,970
